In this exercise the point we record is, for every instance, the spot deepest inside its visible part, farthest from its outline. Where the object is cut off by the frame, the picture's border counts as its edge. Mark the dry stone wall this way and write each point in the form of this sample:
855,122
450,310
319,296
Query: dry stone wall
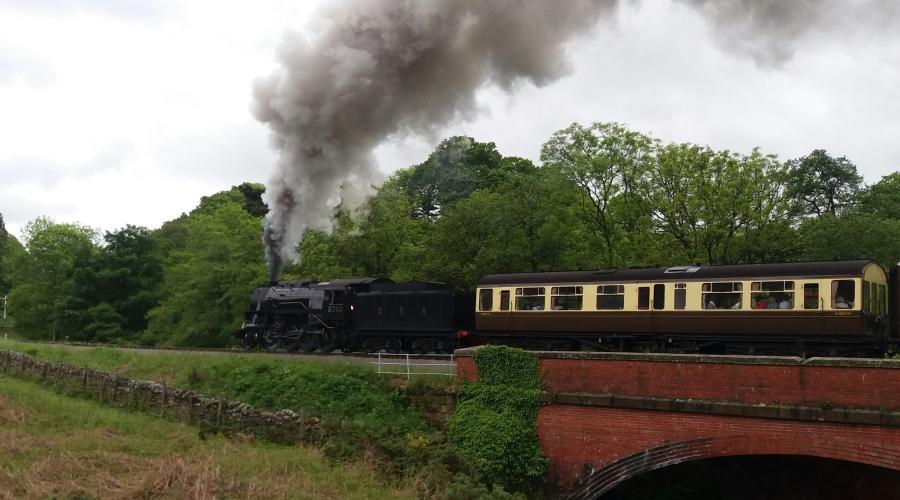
210,414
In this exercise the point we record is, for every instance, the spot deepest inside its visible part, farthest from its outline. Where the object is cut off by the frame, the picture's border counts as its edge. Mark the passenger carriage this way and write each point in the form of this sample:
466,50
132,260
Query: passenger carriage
831,308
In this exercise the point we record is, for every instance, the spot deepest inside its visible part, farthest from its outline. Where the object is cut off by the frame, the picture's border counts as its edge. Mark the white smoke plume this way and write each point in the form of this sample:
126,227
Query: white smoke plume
376,68
383,67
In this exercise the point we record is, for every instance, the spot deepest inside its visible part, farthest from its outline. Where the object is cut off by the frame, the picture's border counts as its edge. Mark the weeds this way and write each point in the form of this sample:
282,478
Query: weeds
79,449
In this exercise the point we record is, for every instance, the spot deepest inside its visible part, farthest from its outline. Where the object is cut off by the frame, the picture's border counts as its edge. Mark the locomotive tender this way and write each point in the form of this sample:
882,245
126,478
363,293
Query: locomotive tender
807,308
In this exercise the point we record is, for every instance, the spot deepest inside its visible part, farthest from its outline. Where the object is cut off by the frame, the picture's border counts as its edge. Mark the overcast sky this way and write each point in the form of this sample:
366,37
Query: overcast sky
115,113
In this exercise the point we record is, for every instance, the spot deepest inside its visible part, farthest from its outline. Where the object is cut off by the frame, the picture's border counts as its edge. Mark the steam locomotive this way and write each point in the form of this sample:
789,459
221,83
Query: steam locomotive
847,308
370,314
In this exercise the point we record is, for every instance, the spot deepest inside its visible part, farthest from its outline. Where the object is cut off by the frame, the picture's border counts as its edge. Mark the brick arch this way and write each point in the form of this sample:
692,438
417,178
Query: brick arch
573,436
605,478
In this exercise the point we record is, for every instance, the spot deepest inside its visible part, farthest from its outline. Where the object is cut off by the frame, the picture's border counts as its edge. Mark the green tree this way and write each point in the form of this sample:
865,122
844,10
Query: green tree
540,205
5,249
852,236
716,206
45,278
606,162
472,238
248,195
882,199
206,284
822,184
128,274
458,167
390,241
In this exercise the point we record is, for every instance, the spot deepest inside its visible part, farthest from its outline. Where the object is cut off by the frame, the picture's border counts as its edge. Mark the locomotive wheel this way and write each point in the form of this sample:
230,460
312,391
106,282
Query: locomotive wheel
393,345
308,343
250,341
290,342
425,346
375,344
270,342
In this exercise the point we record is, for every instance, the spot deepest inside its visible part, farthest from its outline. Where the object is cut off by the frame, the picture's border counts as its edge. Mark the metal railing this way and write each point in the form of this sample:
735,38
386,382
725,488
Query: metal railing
415,364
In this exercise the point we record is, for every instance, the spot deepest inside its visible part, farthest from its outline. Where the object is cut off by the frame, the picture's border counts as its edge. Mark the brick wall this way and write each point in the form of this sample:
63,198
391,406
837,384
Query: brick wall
796,383
839,382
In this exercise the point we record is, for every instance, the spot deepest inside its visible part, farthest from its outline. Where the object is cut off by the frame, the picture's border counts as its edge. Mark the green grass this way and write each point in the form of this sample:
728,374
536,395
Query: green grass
376,418
336,390
56,446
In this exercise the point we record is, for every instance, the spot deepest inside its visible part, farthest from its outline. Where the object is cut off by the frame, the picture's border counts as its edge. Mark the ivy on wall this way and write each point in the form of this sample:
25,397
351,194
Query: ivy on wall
493,427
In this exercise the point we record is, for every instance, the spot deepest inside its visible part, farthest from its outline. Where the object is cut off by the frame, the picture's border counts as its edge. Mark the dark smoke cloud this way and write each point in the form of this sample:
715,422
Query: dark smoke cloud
382,67
768,31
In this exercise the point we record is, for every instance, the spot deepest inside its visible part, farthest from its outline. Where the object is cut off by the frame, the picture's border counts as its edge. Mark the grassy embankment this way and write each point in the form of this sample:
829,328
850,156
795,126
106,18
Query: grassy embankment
54,446
378,424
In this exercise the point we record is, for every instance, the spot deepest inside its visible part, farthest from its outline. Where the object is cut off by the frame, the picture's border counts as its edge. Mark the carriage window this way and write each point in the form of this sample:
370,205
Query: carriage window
566,298
882,300
811,296
486,299
611,297
643,297
772,295
659,296
722,295
504,300
680,295
530,299
843,294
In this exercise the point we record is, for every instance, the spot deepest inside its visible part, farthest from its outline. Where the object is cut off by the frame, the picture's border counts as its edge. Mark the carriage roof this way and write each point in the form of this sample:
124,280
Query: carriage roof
686,273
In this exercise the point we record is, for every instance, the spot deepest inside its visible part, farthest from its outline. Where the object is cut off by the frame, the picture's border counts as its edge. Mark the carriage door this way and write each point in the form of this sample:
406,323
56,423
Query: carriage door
657,304
644,322
505,310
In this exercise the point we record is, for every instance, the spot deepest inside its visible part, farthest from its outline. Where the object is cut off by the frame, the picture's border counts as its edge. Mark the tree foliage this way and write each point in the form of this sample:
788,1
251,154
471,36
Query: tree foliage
206,283
606,162
44,300
822,184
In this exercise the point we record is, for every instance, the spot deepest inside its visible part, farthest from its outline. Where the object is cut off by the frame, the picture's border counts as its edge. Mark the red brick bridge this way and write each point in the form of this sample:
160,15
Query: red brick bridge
609,417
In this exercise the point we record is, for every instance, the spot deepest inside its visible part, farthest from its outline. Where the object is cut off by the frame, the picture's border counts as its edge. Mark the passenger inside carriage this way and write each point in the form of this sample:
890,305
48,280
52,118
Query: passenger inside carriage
843,294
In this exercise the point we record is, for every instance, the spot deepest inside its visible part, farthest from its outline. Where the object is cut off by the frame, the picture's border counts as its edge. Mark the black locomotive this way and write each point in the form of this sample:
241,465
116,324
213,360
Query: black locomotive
370,314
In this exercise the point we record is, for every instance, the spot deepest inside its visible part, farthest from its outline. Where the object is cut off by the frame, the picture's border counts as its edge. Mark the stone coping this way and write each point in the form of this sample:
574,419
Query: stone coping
825,413
705,358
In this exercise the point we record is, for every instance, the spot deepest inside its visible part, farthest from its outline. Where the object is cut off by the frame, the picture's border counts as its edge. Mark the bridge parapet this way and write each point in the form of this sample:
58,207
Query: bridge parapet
829,382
